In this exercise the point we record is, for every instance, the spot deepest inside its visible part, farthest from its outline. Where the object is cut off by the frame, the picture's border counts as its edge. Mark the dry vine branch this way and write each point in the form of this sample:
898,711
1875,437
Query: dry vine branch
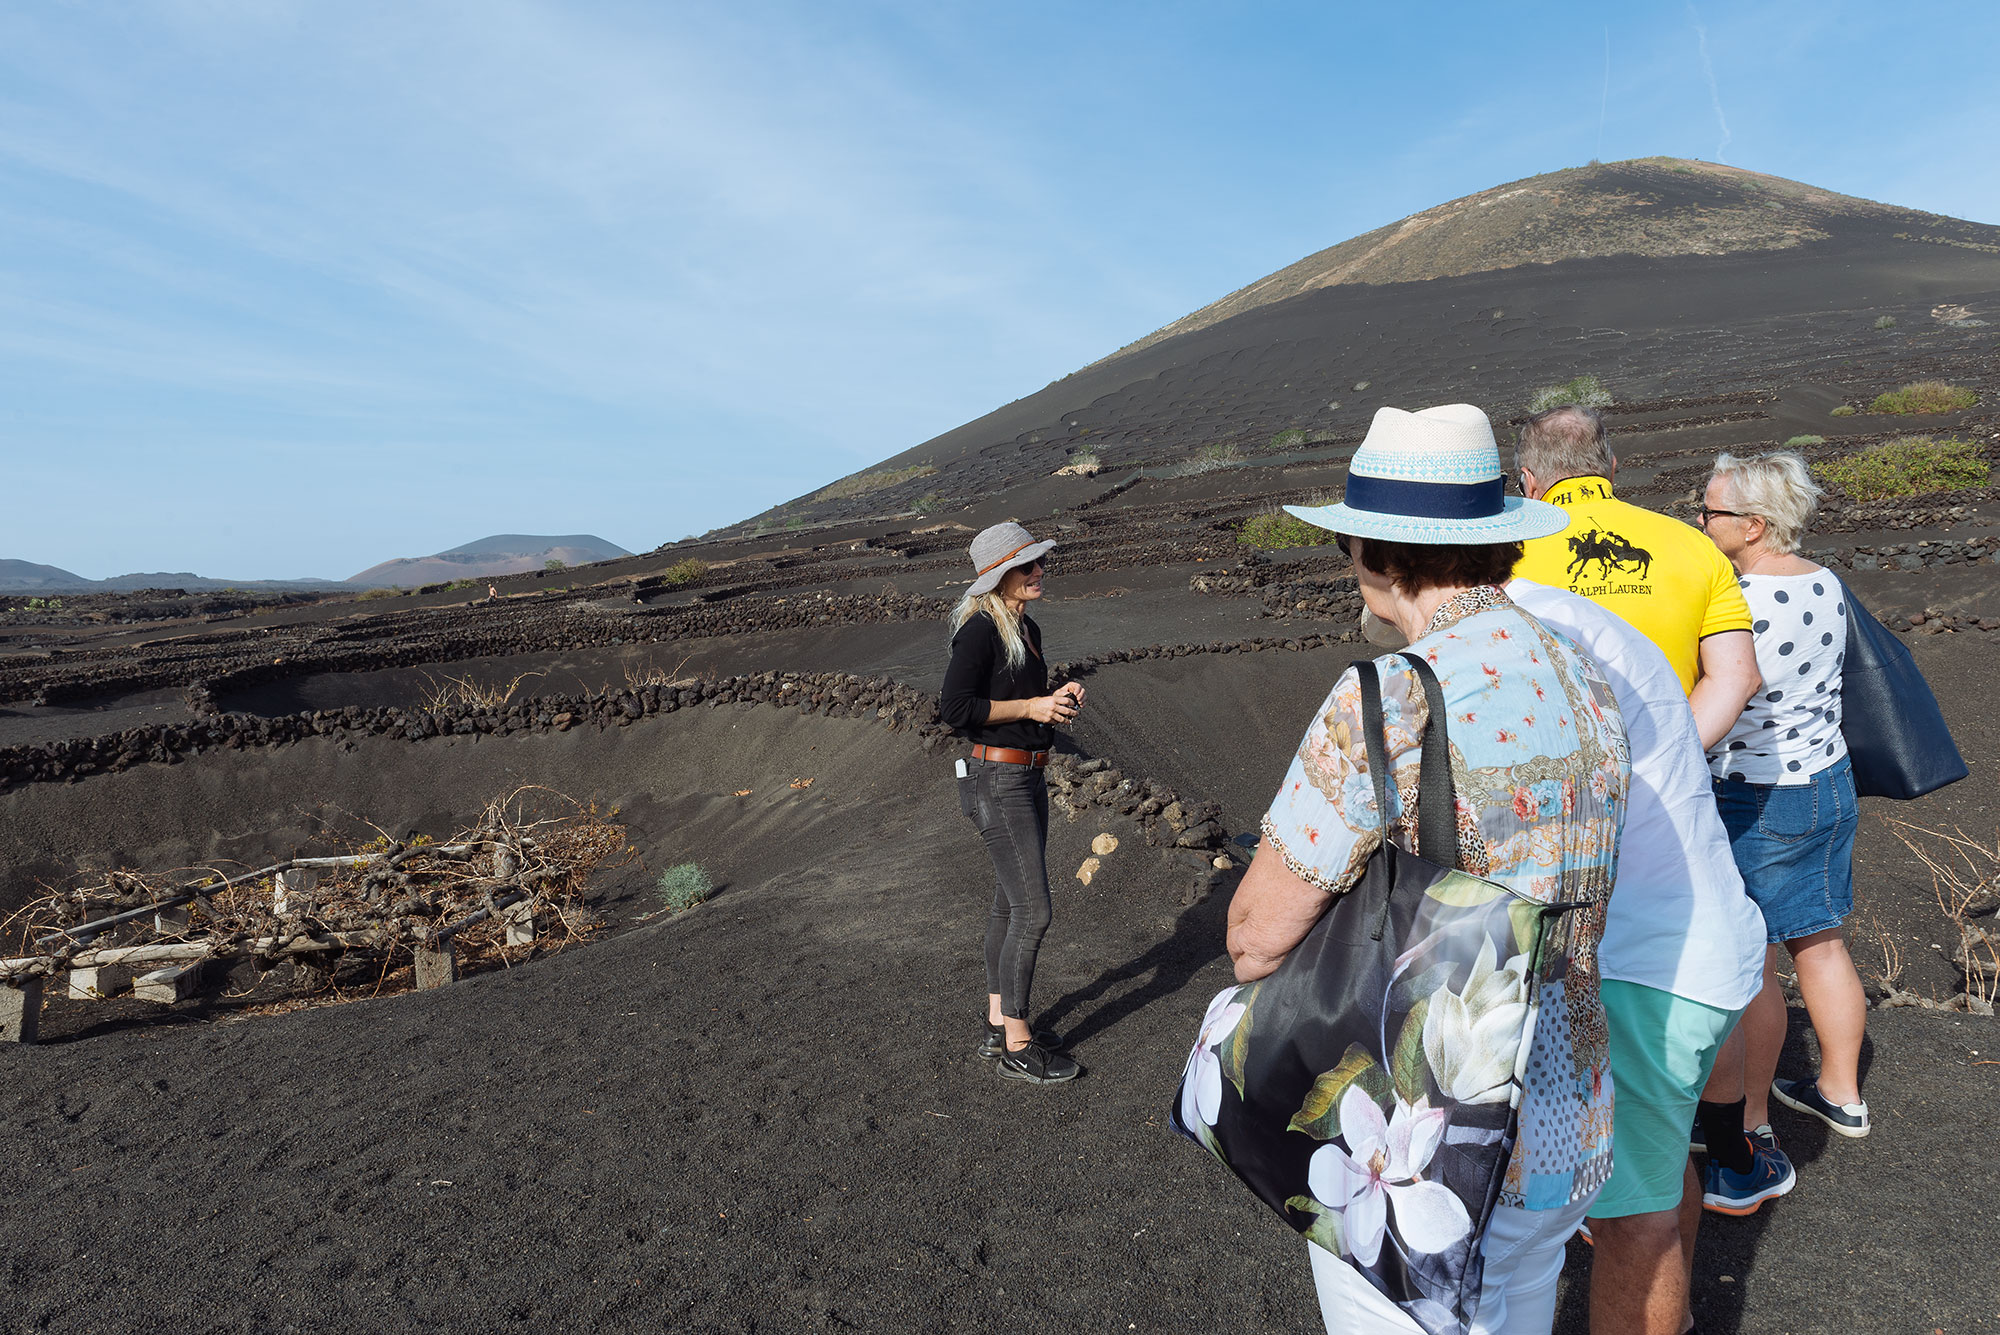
453,692
1965,877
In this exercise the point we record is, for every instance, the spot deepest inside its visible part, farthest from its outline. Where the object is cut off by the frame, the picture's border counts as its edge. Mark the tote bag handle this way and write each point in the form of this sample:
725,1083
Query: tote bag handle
1437,805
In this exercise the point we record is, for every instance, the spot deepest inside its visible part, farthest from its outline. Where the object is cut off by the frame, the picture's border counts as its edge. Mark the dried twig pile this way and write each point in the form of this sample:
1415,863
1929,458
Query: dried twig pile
518,874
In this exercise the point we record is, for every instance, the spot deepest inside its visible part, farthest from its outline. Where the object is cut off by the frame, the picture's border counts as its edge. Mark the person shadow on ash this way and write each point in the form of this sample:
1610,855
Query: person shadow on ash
1168,967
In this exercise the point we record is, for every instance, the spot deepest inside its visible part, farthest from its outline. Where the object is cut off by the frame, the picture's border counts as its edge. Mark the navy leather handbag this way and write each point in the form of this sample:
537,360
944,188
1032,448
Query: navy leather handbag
1897,739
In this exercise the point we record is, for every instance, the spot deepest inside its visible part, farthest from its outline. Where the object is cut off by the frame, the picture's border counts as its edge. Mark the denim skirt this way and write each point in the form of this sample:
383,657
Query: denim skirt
1794,844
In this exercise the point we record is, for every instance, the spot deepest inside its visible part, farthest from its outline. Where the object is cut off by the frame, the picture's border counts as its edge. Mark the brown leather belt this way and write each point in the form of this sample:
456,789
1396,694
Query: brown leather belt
1007,755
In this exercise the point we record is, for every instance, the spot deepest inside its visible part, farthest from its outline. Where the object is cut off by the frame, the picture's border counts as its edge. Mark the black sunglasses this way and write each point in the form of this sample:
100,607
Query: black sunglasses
1708,514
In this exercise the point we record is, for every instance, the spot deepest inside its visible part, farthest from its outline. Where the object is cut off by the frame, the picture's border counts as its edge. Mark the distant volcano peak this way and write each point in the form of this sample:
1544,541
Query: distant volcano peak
1656,207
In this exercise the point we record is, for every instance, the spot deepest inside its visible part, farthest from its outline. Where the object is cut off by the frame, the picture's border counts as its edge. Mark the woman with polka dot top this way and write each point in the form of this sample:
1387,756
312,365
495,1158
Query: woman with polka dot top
1785,788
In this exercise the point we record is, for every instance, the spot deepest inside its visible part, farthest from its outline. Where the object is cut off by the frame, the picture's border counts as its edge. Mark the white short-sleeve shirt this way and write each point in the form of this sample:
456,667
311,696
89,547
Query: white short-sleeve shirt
1790,730
1679,920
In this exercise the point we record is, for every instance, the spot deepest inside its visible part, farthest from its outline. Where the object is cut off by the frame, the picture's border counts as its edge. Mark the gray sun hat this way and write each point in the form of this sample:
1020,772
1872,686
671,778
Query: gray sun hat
998,550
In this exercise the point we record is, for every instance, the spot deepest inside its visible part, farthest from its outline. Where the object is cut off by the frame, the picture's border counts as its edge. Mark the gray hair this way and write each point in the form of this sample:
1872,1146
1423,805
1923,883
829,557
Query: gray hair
1776,488
1564,442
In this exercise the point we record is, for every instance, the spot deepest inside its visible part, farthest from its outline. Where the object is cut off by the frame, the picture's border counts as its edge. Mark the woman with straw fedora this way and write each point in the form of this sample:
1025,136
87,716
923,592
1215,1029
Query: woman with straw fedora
996,694
1539,769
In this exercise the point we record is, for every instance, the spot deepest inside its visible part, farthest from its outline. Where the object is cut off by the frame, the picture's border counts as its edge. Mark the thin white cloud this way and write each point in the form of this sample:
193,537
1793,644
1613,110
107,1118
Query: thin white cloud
1714,92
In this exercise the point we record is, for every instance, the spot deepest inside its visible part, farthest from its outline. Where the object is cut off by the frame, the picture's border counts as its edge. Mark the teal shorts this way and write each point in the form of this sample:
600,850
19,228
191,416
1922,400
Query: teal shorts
1662,1049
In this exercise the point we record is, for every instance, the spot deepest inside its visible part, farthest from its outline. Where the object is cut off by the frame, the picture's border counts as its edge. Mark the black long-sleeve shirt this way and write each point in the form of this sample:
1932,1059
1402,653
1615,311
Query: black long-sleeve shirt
979,673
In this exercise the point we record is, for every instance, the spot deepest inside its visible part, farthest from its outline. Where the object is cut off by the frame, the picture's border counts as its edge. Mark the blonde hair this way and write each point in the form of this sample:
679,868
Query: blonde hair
1004,620
1776,488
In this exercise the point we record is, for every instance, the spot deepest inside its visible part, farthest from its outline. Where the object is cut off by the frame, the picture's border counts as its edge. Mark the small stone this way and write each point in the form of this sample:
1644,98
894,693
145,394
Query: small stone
1090,868
1222,862
1104,844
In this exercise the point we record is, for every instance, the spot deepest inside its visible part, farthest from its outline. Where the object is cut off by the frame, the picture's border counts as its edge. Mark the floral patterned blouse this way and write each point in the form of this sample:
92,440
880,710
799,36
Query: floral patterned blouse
1541,768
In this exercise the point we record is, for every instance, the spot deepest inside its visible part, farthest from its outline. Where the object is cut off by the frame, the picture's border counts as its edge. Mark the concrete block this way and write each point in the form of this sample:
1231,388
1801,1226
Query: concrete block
21,1012
437,968
167,985
520,920
289,886
97,983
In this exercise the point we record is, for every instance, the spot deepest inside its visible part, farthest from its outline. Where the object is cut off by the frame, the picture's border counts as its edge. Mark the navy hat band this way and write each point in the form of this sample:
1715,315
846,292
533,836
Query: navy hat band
1426,500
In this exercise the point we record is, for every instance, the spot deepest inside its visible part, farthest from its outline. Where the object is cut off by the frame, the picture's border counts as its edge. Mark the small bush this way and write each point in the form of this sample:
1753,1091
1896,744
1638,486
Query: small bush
683,572
1085,459
553,564
685,886
369,595
1800,442
1886,322
926,503
1211,458
1586,391
1844,410
1288,439
1276,530
1908,466
1923,397
862,484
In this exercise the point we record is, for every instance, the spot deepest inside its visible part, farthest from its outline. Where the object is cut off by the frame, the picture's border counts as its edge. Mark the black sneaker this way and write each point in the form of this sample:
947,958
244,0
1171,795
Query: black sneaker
1846,1119
1037,1065
995,1042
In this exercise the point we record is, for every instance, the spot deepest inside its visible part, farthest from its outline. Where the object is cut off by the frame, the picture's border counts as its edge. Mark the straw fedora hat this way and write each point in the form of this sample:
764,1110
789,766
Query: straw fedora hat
1432,477
999,549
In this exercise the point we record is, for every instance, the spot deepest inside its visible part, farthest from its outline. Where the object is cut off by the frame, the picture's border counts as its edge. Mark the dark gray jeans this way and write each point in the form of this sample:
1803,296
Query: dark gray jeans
1010,806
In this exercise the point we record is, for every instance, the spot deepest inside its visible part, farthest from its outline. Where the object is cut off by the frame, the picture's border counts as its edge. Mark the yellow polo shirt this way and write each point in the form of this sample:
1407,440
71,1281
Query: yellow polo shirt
1664,577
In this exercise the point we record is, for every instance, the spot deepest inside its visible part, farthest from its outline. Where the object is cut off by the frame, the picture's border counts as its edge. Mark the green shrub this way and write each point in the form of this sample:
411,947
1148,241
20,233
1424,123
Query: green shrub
683,572
685,886
553,564
1886,322
1844,410
368,595
1586,391
1924,396
1907,466
1289,438
1085,459
1276,530
926,503
863,483
1800,442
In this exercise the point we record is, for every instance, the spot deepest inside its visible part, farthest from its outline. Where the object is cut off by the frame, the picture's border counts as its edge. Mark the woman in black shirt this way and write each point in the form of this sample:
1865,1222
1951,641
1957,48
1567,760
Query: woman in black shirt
996,695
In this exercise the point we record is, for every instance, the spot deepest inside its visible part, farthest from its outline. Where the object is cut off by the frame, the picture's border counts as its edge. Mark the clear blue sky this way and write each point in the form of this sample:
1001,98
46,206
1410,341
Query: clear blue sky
292,288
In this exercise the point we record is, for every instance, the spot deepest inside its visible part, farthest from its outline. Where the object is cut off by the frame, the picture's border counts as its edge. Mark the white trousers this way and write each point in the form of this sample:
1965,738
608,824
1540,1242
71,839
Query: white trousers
1517,1290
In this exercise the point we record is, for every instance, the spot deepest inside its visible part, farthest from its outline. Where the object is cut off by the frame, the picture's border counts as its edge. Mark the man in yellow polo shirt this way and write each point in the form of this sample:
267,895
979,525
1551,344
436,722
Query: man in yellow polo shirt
1664,577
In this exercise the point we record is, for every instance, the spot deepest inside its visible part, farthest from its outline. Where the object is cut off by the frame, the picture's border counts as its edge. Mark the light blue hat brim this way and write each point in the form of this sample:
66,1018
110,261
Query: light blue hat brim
1519,520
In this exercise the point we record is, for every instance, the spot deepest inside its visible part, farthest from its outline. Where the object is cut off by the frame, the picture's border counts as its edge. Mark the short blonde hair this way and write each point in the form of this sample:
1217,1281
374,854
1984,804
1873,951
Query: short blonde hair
1778,489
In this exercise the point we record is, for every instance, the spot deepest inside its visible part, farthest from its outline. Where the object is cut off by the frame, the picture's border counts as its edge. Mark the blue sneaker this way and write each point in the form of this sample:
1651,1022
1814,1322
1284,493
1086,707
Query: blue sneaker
1738,1194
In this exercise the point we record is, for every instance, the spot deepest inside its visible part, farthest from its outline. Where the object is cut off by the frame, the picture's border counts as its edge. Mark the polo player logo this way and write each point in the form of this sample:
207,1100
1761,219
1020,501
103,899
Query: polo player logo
1610,551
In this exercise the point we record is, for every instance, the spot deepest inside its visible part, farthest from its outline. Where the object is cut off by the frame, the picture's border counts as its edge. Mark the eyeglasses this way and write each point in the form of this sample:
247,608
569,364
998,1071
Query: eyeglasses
1708,514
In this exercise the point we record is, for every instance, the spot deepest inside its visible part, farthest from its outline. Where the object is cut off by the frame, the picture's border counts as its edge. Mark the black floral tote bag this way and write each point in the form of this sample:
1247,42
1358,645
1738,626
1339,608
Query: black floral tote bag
1368,1090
